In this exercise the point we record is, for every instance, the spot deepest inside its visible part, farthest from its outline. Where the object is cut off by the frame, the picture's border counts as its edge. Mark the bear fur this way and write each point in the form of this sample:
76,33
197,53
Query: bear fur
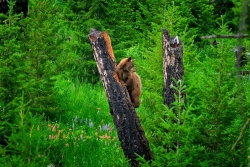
123,70
125,73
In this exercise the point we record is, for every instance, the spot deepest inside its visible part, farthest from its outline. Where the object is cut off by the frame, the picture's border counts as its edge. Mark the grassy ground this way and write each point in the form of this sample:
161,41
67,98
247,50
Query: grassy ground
86,134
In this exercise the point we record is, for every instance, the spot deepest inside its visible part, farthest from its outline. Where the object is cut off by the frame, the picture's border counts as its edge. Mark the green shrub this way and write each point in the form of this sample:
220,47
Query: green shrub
27,143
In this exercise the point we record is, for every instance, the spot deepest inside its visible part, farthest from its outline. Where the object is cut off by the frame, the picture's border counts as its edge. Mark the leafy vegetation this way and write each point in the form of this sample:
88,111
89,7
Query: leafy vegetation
53,109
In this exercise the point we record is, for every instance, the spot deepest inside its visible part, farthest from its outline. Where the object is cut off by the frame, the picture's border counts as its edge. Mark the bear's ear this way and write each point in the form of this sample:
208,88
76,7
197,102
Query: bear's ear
129,59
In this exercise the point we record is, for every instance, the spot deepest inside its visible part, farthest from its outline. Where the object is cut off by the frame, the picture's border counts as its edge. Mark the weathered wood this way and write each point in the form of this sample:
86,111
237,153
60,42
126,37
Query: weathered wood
240,57
172,65
130,132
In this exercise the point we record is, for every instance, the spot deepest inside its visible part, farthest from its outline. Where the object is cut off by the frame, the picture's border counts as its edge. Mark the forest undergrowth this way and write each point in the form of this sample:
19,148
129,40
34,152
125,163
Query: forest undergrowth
53,107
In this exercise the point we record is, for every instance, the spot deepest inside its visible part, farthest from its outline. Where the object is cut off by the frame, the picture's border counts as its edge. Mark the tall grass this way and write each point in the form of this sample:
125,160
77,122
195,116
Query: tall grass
86,128
84,134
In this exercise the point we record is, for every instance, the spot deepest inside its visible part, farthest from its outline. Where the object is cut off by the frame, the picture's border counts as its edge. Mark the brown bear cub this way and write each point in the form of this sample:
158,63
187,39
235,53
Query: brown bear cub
125,73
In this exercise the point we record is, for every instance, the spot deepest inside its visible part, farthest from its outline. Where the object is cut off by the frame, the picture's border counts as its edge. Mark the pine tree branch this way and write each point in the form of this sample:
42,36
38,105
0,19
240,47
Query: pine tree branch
243,129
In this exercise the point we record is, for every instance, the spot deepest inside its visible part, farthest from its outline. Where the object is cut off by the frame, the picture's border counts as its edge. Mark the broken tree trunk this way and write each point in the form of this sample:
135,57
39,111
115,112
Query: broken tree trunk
130,132
241,60
172,66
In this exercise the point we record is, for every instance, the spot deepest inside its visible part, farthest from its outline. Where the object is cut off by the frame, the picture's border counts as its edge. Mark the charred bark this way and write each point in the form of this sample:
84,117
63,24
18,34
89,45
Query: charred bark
172,65
130,132
241,59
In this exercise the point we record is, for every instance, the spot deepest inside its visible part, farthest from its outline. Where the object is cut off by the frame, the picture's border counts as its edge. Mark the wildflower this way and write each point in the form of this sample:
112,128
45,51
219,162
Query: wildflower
105,136
67,144
98,110
59,132
53,128
105,127
91,124
81,136
52,137
49,125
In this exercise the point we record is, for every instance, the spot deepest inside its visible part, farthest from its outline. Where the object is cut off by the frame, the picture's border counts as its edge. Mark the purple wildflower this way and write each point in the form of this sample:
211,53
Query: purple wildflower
105,127
91,124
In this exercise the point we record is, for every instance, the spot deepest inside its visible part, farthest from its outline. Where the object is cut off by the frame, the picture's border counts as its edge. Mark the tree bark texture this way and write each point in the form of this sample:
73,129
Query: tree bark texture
240,58
130,132
172,65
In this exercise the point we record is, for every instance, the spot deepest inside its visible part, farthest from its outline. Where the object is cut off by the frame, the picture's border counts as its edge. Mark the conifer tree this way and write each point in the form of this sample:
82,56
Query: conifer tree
41,44
76,59
11,67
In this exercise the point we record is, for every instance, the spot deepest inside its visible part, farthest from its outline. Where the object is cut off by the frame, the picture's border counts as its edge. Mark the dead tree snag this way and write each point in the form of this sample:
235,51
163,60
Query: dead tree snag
130,132
172,65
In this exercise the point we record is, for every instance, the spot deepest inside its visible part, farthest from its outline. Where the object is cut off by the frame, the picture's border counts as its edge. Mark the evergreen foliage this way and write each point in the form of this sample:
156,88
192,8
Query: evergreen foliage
11,68
53,110
40,47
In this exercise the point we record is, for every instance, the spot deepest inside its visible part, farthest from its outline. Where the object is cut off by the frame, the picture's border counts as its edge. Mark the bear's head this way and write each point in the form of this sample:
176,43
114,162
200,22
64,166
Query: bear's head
126,64
124,68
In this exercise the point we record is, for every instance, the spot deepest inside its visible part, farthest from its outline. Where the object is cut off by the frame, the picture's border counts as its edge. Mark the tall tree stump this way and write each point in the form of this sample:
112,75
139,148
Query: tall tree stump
130,132
172,65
